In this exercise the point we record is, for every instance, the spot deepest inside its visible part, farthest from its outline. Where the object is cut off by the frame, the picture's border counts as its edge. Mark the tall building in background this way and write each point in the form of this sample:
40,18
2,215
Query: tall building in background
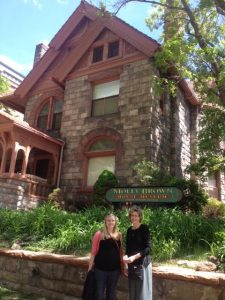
14,78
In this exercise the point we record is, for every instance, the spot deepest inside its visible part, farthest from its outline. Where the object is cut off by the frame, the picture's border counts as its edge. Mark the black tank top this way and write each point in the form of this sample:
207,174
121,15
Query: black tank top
108,256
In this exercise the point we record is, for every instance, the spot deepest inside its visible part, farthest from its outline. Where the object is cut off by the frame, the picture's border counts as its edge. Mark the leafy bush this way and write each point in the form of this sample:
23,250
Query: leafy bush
173,233
214,209
195,198
106,180
56,198
149,174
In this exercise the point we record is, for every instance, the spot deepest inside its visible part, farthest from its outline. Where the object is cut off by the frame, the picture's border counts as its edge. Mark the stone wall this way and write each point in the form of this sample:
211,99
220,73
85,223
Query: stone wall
14,194
62,277
145,132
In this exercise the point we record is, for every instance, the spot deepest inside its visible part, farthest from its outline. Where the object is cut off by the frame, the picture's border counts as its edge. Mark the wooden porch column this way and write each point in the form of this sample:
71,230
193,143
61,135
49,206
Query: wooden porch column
56,162
25,161
13,160
3,159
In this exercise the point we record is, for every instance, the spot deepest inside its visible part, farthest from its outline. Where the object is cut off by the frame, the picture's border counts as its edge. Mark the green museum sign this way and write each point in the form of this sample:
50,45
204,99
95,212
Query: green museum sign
144,194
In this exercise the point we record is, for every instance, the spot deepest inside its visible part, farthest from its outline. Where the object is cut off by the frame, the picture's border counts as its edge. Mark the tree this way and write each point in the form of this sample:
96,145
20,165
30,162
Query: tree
193,43
4,86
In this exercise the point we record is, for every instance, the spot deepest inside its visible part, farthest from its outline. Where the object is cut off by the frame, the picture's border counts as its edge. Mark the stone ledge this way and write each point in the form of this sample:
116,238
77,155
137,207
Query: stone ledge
163,272
184,274
47,257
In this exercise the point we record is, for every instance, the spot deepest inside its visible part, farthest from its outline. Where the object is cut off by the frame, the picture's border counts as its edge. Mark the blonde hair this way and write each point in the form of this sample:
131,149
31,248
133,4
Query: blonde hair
115,234
136,209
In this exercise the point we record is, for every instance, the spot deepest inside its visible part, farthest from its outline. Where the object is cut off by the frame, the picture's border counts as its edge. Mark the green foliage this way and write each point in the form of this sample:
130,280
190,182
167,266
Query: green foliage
105,181
4,86
173,233
150,174
196,197
217,248
56,198
193,48
214,209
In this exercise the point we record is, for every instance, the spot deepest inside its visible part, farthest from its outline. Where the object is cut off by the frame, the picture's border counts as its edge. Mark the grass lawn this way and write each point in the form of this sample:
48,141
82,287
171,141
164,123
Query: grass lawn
6,294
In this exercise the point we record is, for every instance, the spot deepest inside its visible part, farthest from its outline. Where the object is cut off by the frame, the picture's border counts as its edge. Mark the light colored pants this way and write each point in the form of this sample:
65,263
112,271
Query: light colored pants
141,289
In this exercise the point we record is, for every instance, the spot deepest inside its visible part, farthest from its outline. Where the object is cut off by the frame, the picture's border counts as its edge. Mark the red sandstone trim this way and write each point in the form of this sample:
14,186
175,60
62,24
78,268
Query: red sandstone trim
168,273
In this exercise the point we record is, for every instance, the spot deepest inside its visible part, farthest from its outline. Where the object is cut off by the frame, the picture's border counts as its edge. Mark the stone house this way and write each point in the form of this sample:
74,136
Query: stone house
90,104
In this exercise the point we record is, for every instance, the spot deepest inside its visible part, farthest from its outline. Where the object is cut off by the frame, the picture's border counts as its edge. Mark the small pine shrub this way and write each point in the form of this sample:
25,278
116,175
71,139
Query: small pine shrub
56,198
214,209
105,181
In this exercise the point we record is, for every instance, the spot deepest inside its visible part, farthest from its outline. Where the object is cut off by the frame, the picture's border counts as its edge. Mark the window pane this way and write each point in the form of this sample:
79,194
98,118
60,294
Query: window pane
97,54
56,122
111,105
113,49
44,110
102,145
42,122
58,106
98,164
98,108
107,89
212,181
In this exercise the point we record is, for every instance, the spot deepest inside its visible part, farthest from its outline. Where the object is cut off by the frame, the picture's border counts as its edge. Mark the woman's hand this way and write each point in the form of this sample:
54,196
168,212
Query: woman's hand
130,259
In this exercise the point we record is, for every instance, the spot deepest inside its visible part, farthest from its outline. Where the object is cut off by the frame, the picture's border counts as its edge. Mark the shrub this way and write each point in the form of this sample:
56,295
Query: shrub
214,209
194,200
56,198
105,181
149,174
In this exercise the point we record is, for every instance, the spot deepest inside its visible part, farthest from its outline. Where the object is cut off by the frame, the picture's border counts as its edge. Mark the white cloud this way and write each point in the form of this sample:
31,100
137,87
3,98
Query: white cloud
37,3
21,68
62,1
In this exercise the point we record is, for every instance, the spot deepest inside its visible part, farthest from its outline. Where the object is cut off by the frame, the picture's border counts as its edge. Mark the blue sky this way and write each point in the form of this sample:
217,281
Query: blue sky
26,23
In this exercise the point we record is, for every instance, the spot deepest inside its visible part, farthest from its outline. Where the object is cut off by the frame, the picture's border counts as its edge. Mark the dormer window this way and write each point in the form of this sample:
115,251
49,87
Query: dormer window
98,54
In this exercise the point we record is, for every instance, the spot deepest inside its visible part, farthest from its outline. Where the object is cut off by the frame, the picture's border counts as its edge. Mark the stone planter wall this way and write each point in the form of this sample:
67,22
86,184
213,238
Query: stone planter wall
62,277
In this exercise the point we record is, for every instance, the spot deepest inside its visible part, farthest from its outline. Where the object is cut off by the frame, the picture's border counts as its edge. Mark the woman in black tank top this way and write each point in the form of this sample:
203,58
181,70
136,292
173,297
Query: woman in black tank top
106,257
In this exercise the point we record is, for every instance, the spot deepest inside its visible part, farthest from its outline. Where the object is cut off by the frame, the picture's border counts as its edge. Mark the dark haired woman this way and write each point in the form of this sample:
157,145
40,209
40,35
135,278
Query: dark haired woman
138,257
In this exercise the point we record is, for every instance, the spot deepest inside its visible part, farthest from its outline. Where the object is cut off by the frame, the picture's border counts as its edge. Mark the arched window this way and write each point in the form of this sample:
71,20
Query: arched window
101,156
49,117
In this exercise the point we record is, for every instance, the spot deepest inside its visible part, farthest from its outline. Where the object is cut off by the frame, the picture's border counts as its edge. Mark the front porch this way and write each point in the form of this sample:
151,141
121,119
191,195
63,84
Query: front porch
29,163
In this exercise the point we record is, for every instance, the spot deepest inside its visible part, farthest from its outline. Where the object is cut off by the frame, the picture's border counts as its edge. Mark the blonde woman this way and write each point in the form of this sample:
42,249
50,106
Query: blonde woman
106,254
138,257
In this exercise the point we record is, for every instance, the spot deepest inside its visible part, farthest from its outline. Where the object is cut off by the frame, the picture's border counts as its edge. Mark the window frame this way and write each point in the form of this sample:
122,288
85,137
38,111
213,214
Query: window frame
105,45
51,101
92,154
104,99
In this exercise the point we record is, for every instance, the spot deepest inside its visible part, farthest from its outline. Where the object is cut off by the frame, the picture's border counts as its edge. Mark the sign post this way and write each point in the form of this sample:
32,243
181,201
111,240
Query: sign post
144,194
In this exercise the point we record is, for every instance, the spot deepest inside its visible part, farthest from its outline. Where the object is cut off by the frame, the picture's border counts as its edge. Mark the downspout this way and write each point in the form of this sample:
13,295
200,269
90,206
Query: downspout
60,163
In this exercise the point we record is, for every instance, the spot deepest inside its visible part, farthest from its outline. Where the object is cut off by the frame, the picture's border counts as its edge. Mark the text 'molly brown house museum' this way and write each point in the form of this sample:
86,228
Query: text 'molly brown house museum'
90,104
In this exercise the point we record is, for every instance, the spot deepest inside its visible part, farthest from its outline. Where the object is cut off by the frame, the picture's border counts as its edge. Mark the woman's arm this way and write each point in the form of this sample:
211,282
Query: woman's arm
94,249
91,262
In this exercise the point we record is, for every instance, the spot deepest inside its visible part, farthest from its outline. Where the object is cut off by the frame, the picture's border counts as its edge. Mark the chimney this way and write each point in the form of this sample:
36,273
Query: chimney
39,52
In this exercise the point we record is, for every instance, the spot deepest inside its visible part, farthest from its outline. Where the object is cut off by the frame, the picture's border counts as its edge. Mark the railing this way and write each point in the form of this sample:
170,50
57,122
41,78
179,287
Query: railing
39,189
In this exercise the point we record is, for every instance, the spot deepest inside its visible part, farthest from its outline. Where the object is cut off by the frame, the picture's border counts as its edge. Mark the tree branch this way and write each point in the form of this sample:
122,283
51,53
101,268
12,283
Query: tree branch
122,3
220,6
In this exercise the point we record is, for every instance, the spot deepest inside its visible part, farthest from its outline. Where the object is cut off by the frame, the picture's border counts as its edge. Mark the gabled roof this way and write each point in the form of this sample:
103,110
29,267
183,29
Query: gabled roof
137,39
9,119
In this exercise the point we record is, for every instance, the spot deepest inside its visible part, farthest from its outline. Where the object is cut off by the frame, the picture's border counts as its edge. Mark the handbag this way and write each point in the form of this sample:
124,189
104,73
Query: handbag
135,271
89,288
